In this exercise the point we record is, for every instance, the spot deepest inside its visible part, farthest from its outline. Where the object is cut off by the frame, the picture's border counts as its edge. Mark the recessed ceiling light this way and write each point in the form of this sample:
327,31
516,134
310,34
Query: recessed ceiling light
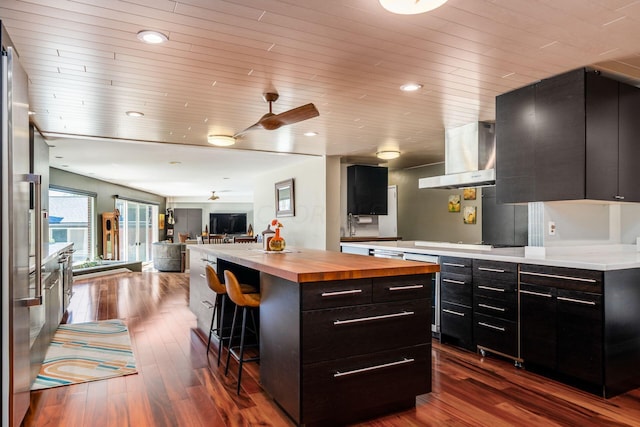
388,154
221,140
59,157
411,7
32,113
310,133
174,162
410,87
152,37
134,113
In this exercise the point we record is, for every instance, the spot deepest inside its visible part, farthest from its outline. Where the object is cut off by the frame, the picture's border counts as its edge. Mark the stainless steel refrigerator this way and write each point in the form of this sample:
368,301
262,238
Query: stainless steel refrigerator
17,293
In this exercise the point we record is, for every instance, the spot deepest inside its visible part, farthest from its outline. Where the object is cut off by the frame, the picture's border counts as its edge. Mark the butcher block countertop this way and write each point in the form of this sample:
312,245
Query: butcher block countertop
311,265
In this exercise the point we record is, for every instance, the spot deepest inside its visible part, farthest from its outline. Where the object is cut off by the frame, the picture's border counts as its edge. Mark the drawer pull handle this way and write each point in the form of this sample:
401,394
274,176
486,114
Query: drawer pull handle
373,368
578,301
368,319
404,288
537,294
493,270
457,282
556,276
486,325
453,265
457,313
207,304
490,307
489,288
349,292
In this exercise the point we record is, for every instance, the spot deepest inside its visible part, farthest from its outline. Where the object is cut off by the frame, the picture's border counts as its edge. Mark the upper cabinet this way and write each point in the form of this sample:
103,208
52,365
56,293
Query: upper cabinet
367,190
568,137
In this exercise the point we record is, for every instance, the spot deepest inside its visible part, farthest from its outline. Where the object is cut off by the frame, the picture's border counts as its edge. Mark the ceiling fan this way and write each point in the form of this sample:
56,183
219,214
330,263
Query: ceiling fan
271,121
214,196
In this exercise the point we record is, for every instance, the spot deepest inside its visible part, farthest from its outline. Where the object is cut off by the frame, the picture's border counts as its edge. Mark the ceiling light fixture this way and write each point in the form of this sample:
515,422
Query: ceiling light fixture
388,154
411,7
221,140
152,37
410,87
310,133
135,113
213,196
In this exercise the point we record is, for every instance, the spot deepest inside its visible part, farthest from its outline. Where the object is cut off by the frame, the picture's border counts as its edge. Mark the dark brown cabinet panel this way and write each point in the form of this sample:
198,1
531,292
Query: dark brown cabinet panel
579,141
515,139
538,325
456,324
456,298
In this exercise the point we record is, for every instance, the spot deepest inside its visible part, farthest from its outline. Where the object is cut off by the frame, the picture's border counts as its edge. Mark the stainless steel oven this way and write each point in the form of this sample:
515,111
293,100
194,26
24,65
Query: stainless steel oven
435,296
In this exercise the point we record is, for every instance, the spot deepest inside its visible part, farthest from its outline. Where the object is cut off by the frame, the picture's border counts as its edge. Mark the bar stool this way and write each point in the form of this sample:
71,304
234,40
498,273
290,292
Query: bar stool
218,305
246,302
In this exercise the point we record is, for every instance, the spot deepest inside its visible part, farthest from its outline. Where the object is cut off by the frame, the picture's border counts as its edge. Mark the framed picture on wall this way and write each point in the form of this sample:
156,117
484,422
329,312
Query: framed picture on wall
169,231
469,215
454,203
285,201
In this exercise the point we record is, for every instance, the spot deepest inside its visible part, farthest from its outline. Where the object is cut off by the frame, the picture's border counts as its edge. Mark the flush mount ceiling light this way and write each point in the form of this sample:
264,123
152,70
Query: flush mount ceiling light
221,140
152,37
411,7
388,154
410,87
134,114
310,133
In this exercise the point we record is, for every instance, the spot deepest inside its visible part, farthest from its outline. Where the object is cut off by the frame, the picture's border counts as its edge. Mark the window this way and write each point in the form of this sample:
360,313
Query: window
71,219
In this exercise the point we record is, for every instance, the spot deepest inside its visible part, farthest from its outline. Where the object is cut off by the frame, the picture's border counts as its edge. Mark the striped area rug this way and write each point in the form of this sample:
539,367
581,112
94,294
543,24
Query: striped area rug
85,352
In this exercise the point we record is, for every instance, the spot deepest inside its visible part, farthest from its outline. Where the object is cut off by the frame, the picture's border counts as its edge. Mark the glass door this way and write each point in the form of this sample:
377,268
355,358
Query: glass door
140,230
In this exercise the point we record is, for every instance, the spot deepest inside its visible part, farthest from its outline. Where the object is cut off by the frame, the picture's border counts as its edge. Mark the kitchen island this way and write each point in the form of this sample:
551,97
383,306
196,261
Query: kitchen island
342,337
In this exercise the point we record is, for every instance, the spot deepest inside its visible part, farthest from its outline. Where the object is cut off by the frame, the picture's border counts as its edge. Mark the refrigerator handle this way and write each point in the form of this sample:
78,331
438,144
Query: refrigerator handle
36,180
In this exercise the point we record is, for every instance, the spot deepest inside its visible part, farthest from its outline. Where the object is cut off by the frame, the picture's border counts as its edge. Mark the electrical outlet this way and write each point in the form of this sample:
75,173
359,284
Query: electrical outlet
552,228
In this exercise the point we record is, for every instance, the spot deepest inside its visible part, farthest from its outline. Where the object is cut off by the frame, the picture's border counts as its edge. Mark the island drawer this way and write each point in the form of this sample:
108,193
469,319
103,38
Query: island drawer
562,278
401,288
319,295
336,387
364,329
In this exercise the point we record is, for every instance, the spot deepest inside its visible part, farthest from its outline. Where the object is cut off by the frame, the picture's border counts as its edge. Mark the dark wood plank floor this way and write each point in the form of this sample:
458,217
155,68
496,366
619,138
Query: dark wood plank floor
177,386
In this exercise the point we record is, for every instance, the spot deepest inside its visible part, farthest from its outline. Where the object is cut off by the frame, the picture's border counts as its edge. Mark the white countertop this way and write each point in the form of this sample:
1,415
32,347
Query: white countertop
596,257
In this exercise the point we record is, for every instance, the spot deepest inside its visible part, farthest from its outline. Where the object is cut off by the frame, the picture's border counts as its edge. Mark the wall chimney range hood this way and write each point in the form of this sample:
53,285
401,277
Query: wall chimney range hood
469,158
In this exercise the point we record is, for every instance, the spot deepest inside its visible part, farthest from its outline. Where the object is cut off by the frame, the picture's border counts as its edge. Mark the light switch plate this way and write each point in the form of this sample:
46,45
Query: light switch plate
552,228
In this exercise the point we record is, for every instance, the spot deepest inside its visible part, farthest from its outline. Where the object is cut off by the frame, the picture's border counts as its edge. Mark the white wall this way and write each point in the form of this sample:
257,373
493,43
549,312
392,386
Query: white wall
309,228
588,222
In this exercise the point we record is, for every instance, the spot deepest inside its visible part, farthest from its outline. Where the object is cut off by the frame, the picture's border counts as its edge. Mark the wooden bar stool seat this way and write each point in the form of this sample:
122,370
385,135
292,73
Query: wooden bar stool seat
219,306
248,302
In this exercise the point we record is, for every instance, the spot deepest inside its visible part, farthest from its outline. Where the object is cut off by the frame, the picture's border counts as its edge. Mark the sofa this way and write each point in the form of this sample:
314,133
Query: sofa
169,256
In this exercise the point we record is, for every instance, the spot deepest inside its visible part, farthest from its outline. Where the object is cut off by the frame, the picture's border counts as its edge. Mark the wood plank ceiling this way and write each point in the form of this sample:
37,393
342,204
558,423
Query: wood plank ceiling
349,57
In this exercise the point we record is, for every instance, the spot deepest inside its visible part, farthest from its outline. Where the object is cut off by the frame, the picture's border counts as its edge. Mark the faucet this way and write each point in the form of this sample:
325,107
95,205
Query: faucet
351,225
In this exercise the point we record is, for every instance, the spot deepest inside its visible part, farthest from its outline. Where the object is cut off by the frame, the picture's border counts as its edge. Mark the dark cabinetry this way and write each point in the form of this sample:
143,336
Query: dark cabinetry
366,347
187,221
503,224
568,137
562,322
367,190
456,297
495,306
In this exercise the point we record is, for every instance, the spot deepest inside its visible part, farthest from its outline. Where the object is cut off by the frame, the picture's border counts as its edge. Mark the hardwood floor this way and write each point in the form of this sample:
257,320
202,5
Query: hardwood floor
176,386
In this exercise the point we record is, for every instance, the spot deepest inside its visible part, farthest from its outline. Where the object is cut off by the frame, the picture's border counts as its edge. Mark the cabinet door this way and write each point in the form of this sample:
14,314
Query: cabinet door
515,131
580,335
538,337
559,158
629,148
602,138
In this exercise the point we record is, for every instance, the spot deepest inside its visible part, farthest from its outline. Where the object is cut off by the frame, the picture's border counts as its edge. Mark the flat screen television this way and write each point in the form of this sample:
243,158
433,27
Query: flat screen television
227,223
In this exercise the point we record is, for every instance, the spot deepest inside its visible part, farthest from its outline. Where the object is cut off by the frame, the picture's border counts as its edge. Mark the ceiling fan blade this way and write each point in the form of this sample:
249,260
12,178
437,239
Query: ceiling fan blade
290,117
250,128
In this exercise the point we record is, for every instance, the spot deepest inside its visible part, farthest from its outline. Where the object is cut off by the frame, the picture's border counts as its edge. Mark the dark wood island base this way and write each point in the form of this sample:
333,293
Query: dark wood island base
342,337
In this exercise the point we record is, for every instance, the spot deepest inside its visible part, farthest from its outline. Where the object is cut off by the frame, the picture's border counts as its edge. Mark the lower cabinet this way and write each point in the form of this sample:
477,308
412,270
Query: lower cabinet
201,297
495,307
456,299
562,324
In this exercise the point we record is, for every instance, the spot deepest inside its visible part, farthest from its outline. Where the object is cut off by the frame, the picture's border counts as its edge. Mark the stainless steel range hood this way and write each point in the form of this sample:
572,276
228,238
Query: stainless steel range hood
469,158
